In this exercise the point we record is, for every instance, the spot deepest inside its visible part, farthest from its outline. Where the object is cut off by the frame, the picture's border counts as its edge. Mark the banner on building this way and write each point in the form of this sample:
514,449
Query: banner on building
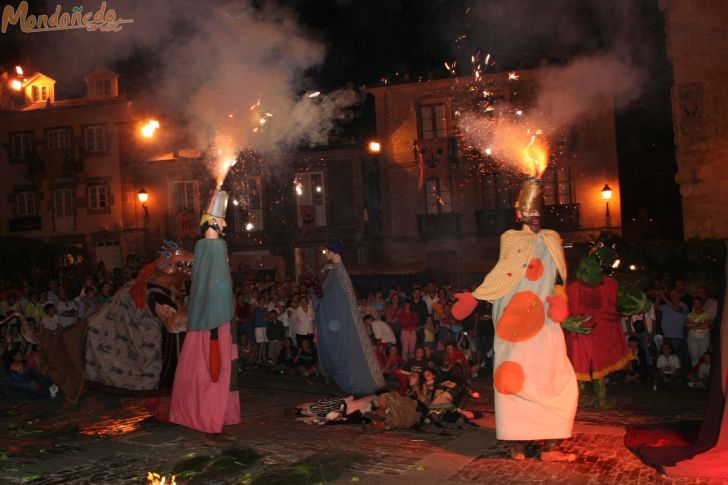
432,159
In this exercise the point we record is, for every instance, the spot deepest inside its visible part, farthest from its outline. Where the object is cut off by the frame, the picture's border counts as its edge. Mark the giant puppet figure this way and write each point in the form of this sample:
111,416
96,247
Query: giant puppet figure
345,350
535,388
604,349
204,395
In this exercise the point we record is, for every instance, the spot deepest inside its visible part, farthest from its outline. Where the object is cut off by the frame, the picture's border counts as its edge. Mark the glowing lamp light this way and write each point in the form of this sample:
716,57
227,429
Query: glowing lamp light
606,193
143,196
318,189
19,70
16,85
150,128
375,147
632,267
249,226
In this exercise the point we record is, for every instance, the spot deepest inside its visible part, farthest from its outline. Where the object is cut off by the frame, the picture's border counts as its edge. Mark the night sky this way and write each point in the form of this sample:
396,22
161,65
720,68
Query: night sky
370,40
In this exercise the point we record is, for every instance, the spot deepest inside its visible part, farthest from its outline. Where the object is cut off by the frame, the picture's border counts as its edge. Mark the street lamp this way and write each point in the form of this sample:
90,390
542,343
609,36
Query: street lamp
607,196
143,196
374,147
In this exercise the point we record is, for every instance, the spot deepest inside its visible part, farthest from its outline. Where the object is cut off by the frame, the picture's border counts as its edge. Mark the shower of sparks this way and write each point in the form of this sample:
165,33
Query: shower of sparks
513,76
314,94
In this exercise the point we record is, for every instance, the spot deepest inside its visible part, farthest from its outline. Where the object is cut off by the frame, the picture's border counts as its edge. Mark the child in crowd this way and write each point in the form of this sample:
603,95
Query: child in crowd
306,359
394,361
668,367
633,371
455,362
698,377
286,361
50,320
246,351
429,331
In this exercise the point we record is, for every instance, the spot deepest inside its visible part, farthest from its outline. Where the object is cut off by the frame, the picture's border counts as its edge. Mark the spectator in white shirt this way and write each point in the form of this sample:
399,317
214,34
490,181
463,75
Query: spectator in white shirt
302,321
50,320
67,311
668,367
430,296
383,336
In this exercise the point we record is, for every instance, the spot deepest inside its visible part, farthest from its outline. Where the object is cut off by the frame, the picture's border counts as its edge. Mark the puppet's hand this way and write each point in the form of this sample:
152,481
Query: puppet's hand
578,324
464,305
558,305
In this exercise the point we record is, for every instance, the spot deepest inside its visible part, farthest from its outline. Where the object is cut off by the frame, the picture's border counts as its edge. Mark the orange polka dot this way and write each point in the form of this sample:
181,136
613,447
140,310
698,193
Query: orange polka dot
522,319
508,377
534,270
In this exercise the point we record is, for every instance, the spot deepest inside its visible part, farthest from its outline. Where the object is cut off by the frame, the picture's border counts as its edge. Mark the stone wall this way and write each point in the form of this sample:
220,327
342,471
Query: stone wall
697,40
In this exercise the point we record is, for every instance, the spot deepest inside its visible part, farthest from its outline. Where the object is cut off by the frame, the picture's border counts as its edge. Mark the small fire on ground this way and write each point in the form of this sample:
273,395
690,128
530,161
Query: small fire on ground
157,479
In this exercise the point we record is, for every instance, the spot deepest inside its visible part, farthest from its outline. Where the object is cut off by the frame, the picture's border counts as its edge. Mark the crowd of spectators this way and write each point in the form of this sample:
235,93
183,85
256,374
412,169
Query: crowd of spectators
671,342
413,330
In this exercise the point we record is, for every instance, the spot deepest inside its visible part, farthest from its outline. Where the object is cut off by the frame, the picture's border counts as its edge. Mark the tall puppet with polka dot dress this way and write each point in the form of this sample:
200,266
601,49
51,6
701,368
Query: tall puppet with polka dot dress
536,393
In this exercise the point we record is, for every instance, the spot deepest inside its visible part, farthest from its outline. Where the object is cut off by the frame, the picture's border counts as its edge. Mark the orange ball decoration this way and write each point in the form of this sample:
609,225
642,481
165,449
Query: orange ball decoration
534,270
522,319
508,378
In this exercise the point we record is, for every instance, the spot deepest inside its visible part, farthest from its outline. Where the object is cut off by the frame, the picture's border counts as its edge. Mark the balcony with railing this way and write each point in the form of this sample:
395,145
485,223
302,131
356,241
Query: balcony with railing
55,162
23,224
561,217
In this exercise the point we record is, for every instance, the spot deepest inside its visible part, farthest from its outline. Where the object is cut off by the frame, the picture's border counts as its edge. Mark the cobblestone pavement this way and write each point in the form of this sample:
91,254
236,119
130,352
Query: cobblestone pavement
109,439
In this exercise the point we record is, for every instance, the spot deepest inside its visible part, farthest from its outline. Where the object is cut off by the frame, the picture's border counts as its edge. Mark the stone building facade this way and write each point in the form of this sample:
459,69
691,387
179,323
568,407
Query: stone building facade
452,220
697,39
60,163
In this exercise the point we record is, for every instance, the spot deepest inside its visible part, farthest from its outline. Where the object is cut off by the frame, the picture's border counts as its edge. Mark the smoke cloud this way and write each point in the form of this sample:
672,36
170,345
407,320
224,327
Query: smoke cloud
602,45
233,72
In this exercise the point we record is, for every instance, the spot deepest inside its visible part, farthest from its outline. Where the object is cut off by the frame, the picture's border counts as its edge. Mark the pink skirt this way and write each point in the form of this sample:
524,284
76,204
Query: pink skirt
197,402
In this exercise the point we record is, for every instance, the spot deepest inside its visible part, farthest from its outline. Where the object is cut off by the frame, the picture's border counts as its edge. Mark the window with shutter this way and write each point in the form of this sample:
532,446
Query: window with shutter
20,145
95,138
25,204
437,196
311,199
98,197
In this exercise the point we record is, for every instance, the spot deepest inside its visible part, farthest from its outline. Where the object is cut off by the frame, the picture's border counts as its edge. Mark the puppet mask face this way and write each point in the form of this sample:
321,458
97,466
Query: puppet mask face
531,219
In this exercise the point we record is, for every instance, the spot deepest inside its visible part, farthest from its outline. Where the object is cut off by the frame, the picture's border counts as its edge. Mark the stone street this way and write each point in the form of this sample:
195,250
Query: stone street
111,439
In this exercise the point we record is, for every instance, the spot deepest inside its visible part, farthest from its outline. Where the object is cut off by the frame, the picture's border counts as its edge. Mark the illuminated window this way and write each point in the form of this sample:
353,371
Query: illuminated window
437,196
98,197
40,93
310,193
58,138
433,121
247,206
557,184
95,138
185,196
